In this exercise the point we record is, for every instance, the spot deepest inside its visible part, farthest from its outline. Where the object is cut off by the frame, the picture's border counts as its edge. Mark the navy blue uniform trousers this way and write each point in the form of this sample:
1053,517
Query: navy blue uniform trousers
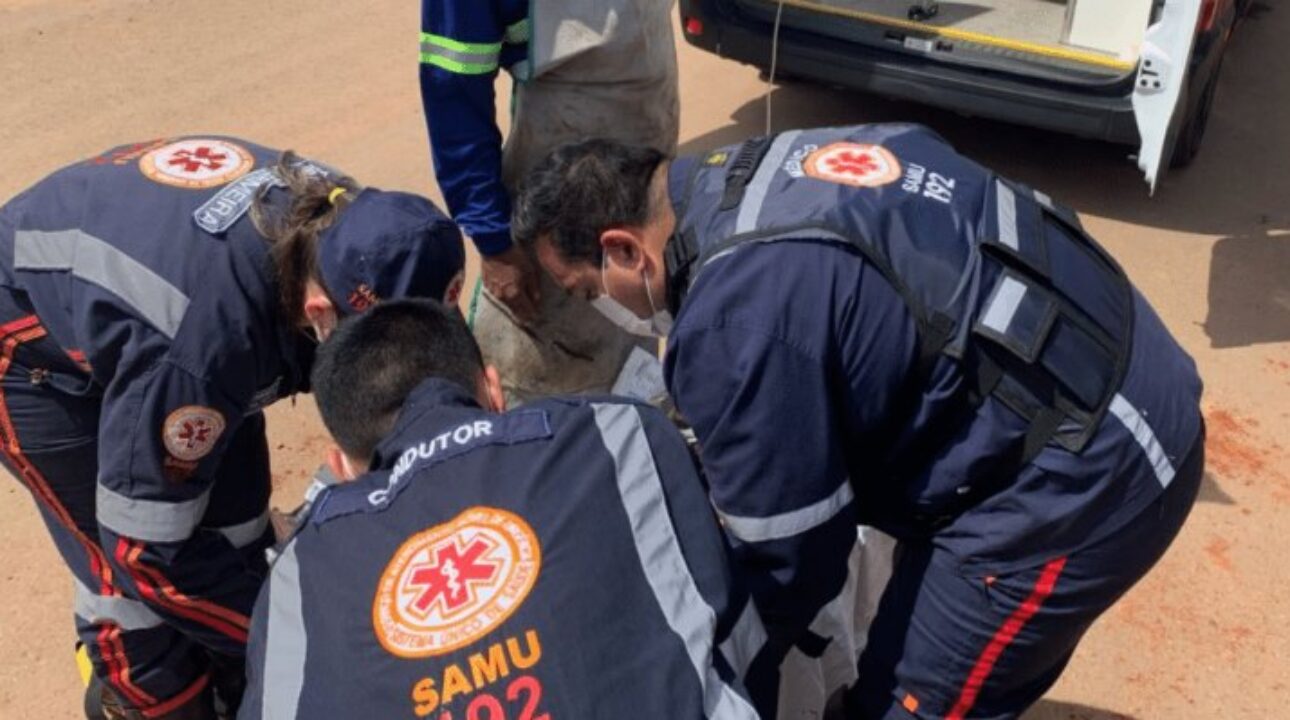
949,644
49,417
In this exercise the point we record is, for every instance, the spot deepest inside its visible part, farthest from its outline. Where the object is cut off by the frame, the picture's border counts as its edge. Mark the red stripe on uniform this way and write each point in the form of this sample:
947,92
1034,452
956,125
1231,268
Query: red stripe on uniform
154,586
1004,637
111,649
179,700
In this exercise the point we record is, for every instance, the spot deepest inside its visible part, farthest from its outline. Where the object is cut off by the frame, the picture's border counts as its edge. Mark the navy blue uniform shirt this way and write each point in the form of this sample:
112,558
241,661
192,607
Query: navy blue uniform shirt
559,559
789,358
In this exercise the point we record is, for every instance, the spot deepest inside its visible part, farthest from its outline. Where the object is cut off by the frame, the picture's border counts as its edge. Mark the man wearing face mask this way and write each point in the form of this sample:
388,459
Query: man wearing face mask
558,560
870,328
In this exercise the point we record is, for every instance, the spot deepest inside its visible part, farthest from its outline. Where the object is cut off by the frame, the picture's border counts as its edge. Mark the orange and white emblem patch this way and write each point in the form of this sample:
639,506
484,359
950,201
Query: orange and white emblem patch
190,432
196,164
853,164
449,586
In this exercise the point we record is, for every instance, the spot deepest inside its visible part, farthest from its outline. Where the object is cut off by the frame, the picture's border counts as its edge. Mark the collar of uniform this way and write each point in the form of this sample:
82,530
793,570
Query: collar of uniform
431,404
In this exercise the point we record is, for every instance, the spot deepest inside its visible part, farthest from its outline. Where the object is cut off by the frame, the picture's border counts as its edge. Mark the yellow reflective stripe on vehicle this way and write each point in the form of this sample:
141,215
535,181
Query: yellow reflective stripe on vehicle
518,33
459,57
991,41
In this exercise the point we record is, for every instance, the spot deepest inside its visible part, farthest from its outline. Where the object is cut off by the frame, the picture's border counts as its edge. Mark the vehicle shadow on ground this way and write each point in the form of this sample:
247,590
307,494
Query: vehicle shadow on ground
1246,156
1249,291
1055,710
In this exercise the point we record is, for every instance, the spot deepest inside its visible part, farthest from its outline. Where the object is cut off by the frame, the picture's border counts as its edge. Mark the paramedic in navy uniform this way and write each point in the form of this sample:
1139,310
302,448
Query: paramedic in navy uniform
864,326
155,298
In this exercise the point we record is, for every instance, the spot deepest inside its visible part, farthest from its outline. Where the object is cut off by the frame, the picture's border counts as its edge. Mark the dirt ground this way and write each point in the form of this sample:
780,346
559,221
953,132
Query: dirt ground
1204,636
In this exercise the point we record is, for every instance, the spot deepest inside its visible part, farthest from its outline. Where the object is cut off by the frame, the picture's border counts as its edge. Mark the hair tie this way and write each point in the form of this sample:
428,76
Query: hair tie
335,193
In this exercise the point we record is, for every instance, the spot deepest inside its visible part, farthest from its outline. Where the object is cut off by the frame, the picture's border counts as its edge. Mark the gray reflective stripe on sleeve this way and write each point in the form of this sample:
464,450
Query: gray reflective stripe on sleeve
1142,432
795,522
488,58
286,642
1003,306
687,613
244,534
149,520
755,193
123,612
1043,199
1006,203
746,640
94,261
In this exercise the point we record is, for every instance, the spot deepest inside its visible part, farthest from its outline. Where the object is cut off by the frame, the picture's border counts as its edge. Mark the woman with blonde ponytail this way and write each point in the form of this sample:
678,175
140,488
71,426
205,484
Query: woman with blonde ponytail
153,300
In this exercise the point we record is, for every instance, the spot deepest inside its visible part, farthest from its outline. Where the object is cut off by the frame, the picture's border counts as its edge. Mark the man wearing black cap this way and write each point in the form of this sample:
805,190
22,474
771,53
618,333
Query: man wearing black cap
154,299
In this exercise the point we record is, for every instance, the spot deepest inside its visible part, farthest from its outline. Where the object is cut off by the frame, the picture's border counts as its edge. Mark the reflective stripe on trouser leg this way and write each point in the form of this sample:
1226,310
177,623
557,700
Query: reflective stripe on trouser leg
659,551
116,669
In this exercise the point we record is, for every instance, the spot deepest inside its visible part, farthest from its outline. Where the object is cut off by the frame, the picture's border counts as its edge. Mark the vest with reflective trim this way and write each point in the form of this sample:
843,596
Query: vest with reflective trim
997,277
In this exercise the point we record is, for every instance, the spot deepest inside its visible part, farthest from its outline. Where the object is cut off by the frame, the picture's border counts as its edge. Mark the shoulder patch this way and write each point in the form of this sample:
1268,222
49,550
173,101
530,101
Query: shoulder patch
450,585
855,164
232,202
376,494
190,433
196,163
717,158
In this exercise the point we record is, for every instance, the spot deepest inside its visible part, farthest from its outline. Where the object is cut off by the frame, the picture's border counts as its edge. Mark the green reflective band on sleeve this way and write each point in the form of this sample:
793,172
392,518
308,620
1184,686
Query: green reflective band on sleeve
459,57
519,33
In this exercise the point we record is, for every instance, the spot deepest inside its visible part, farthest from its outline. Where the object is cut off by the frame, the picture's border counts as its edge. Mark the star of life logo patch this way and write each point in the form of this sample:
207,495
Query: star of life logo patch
854,164
451,585
196,163
190,432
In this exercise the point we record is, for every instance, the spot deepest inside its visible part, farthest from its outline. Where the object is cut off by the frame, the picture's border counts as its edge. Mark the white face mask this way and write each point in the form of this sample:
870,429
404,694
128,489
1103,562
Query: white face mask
657,325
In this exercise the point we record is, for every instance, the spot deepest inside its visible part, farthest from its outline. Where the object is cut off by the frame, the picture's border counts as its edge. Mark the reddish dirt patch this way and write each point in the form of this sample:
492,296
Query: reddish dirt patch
1217,549
1235,452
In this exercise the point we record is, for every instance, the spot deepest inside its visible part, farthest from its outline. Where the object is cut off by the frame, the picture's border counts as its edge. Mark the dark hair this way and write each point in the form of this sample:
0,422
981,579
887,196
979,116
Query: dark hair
582,189
365,371
294,230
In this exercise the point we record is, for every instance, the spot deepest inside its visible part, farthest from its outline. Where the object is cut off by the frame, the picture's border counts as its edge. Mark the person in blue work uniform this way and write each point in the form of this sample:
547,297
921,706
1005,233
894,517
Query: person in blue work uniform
867,327
558,560
154,300
581,68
